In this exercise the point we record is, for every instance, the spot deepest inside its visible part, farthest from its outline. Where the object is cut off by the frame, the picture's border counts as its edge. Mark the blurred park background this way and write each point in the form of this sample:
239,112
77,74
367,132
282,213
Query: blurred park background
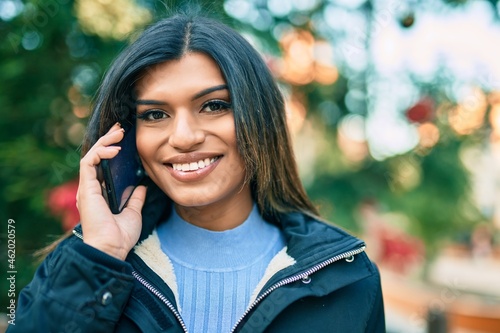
394,108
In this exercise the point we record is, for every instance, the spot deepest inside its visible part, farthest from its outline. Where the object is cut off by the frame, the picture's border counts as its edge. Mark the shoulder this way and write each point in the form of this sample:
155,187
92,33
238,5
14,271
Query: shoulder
309,224
52,253
306,234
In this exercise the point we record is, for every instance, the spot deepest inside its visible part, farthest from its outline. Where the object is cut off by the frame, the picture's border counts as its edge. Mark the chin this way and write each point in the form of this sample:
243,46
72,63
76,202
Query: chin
191,202
193,198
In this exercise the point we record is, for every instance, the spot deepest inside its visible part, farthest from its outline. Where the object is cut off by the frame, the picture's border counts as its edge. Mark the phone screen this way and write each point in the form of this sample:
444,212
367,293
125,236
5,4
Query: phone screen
122,173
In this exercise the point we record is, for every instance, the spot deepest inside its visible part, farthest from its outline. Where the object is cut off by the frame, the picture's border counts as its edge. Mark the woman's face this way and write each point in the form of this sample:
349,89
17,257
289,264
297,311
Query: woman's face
186,134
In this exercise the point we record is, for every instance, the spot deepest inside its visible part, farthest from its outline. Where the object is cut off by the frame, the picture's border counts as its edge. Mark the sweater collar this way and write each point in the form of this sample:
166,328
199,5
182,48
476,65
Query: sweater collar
236,248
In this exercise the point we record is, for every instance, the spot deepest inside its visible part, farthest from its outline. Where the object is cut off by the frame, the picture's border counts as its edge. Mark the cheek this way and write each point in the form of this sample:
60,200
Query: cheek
145,145
229,136
227,132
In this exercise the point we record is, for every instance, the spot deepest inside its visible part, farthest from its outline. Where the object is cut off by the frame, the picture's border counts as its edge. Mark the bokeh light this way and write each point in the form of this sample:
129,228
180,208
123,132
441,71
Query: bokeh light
115,19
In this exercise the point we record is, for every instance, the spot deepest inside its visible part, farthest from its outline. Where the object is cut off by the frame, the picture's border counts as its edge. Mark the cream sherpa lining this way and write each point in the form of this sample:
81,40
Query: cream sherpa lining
151,253
280,261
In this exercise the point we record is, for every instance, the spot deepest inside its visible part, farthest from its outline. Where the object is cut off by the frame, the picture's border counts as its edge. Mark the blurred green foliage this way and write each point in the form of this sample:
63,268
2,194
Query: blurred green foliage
34,109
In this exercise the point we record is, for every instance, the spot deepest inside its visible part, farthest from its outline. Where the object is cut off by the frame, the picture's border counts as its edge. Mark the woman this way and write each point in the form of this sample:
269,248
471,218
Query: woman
224,237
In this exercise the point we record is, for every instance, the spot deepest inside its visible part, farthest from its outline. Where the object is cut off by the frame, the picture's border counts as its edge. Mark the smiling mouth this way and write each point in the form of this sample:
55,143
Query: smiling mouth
193,166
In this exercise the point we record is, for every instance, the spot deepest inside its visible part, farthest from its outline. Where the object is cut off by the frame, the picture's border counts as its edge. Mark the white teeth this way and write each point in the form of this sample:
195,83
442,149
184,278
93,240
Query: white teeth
194,165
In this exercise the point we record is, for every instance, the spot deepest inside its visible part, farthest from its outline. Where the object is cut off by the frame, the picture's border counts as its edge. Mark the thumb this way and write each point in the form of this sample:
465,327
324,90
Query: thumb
137,199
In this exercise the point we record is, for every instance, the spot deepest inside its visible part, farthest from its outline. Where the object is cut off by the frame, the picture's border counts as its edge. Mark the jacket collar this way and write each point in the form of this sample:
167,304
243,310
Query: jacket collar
309,239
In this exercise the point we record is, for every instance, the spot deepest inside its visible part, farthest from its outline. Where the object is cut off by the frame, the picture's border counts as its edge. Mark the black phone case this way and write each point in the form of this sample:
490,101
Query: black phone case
136,173
110,194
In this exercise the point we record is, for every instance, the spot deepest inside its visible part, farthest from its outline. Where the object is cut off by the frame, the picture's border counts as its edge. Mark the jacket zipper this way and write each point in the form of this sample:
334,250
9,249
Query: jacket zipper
78,234
349,255
301,276
158,294
152,289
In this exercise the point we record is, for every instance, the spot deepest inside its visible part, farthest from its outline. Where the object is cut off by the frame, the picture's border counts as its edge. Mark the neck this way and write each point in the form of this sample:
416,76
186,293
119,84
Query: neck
221,215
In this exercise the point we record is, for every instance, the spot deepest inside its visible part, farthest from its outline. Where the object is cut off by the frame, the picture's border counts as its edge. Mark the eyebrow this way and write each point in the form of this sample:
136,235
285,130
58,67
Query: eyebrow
209,90
195,97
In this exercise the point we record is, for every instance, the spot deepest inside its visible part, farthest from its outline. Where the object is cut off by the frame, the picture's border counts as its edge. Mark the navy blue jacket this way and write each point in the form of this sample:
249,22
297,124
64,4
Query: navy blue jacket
332,287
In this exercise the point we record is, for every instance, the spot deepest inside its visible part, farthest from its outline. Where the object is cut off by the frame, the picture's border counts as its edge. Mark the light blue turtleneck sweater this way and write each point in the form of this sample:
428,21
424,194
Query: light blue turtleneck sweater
217,271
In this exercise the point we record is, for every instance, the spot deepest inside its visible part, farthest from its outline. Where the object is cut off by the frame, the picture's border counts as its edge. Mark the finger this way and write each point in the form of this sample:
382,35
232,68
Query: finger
100,150
137,199
127,193
110,138
115,127
89,184
114,135
95,156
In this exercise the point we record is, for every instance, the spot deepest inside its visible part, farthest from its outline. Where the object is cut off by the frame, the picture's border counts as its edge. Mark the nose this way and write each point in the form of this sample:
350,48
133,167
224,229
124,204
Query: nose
185,132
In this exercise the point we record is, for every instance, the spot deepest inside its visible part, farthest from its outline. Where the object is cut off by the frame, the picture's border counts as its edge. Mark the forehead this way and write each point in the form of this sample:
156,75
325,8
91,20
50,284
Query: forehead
194,71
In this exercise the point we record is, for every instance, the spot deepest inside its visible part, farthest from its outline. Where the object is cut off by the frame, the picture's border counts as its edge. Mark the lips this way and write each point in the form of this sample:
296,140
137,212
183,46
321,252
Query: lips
192,166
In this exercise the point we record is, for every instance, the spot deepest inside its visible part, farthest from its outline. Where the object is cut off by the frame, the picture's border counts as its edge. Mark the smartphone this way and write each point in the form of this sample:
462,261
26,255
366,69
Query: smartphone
122,173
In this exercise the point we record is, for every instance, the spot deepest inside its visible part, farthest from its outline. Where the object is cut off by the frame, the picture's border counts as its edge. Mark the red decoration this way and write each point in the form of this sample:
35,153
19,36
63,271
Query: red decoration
422,111
62,202
400,251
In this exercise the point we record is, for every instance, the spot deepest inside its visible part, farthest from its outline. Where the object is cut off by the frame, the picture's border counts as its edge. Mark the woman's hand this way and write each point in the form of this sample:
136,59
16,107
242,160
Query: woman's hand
113,234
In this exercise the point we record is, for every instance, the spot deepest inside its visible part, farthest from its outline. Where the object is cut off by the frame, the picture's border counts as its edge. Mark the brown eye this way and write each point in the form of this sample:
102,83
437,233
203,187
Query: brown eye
215,106
156,115
152,115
